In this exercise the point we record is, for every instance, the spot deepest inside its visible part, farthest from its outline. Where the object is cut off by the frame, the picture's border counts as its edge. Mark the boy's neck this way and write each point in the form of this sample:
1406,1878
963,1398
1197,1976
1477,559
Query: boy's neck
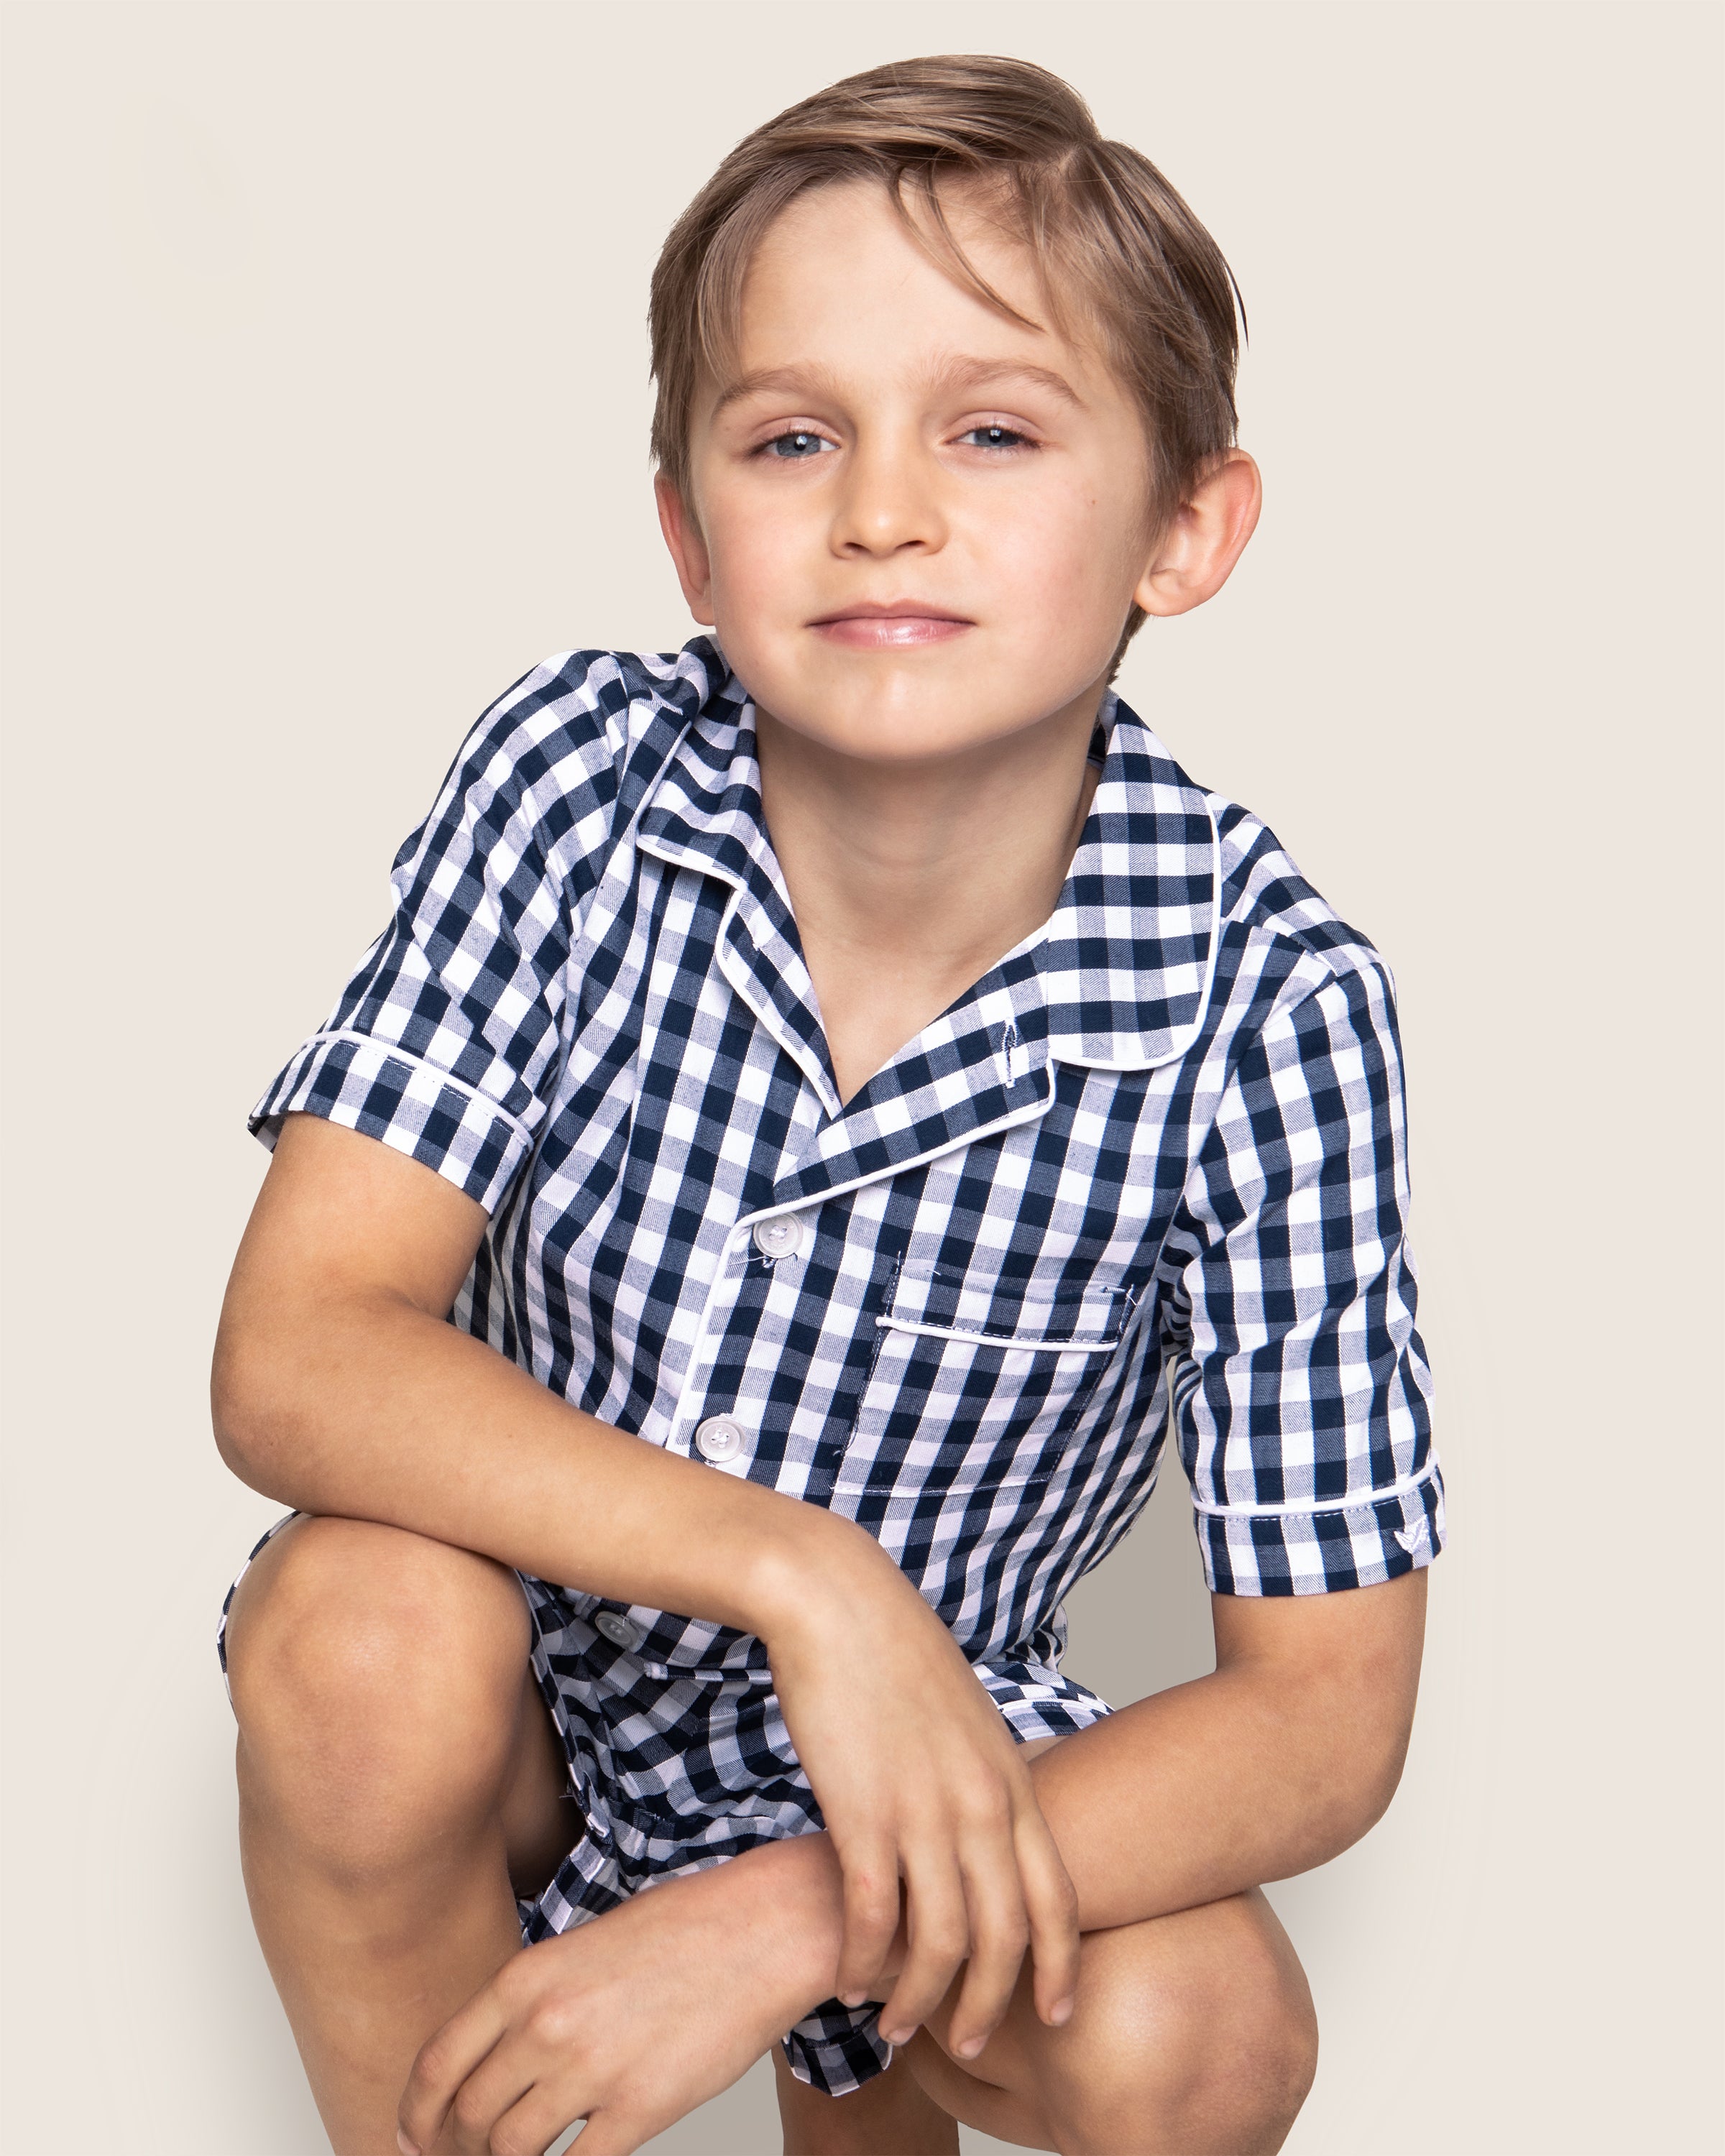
909,882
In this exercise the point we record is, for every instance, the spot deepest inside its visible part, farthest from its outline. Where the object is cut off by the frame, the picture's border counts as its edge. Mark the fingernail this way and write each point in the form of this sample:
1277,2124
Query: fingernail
405,2146
893,2036
969,2048
852,1997
1060,2013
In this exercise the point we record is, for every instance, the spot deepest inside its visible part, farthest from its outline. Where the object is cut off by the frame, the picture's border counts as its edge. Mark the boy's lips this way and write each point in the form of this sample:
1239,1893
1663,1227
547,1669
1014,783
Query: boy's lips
891,628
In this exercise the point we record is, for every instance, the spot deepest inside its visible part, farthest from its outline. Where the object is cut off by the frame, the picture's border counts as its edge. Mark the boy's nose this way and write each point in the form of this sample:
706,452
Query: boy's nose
890,500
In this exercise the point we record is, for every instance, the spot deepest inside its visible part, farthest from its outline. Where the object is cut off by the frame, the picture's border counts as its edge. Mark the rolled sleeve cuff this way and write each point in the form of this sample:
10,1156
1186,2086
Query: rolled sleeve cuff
412,1106
1301,1550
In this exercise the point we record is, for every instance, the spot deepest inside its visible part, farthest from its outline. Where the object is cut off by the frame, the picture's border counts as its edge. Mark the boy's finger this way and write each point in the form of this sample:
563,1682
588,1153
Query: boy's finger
938,1928
1051,1905
605,2133
501,2083
537,2121
999,1934
871,1912
444,2064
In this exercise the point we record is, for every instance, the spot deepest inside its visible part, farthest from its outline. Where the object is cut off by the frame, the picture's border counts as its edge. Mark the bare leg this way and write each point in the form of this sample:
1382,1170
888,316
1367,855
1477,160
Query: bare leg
1194,2037
398,1779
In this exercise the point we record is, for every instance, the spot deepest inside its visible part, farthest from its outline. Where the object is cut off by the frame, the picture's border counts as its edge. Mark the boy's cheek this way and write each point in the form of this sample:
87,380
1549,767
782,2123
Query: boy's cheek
765,576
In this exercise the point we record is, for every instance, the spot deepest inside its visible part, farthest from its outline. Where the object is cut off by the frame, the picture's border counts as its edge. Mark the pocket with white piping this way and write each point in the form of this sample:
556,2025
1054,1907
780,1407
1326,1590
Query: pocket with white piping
1048,1315
979,1380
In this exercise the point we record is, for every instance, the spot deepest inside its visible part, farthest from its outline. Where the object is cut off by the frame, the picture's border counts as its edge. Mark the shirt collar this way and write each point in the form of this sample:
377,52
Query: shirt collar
1127,956
704,812
1122,967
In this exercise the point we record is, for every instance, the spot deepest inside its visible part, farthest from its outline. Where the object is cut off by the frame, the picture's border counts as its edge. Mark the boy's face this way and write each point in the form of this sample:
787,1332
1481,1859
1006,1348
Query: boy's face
918,526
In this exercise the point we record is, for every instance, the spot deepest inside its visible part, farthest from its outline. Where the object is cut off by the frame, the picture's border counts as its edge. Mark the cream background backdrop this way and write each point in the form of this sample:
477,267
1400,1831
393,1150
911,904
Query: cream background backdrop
326,417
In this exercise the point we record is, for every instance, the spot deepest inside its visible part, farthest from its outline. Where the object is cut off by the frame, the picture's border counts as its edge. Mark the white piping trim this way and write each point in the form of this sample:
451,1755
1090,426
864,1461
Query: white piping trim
420,1063
1025,1115
680,1428
1022,1340
1359,1502
741,981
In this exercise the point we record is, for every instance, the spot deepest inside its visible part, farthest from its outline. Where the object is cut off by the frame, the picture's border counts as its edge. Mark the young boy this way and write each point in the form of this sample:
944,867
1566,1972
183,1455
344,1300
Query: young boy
828,1105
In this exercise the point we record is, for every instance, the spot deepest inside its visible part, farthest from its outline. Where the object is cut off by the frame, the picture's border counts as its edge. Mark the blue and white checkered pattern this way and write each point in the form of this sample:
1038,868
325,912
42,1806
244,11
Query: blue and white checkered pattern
1147,1173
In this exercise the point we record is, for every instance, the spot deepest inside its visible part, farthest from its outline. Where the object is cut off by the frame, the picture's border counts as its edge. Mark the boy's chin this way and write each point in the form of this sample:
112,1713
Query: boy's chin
903,740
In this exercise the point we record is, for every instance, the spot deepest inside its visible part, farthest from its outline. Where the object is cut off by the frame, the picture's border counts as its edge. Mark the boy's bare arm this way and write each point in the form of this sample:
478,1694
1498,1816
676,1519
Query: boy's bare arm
1275,1763
1279,1760
339,1388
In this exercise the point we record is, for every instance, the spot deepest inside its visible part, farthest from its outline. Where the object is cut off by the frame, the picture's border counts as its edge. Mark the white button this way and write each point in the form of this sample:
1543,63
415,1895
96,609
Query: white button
779,1238
617,1629
719,1438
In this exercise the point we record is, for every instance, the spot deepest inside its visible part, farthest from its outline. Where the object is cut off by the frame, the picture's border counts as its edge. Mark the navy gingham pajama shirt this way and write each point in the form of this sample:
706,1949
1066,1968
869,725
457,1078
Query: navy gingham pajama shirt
1148,1174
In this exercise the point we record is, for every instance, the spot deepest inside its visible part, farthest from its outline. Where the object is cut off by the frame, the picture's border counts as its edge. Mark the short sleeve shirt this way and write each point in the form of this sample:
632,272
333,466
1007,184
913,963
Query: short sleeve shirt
1146,1179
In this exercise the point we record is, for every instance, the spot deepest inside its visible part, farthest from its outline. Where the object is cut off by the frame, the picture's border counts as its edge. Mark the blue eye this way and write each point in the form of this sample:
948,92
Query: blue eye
995,437
796,445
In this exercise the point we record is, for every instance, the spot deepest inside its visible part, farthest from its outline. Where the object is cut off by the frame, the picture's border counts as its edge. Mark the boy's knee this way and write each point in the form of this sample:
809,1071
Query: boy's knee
375,1674
1221,2057
1250,2045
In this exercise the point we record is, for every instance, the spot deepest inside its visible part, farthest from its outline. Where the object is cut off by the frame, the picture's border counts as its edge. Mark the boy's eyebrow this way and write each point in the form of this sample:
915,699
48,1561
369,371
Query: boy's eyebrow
957,373
984,373
773,377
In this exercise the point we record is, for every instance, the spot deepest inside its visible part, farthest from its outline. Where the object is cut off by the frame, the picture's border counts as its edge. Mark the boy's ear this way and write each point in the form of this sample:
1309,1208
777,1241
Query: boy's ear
1198,547
688,549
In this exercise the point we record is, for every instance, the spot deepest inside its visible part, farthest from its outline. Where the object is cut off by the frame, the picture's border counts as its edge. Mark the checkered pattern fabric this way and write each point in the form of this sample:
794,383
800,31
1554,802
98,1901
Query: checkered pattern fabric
1147,1175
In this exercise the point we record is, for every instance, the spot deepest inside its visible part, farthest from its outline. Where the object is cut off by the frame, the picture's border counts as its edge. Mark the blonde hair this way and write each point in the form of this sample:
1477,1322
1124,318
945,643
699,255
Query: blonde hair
1103,226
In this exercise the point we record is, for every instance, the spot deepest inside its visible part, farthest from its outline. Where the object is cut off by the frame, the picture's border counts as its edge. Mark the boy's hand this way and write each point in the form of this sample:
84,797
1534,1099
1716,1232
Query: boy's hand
632,2019
918,1777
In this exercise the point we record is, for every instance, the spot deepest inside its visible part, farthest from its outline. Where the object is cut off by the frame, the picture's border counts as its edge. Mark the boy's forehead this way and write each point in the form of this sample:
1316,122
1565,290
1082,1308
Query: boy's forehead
839,286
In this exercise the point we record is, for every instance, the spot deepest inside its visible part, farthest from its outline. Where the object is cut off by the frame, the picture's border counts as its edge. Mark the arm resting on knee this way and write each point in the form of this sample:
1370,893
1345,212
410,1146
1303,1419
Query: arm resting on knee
1277,1762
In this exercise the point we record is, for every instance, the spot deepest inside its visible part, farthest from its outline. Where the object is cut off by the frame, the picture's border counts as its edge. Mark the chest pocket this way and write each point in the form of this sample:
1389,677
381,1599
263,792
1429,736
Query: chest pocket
979,1382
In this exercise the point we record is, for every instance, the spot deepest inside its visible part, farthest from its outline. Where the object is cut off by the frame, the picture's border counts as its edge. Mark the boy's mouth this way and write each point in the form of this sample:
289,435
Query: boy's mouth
892,626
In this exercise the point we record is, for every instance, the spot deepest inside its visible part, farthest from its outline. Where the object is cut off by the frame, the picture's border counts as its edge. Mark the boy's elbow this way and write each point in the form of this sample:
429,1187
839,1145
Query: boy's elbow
1372,1798
247,1411
1356,1799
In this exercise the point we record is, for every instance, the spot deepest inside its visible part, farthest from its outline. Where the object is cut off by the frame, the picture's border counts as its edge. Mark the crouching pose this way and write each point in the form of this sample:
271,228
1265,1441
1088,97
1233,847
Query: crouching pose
831,1107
